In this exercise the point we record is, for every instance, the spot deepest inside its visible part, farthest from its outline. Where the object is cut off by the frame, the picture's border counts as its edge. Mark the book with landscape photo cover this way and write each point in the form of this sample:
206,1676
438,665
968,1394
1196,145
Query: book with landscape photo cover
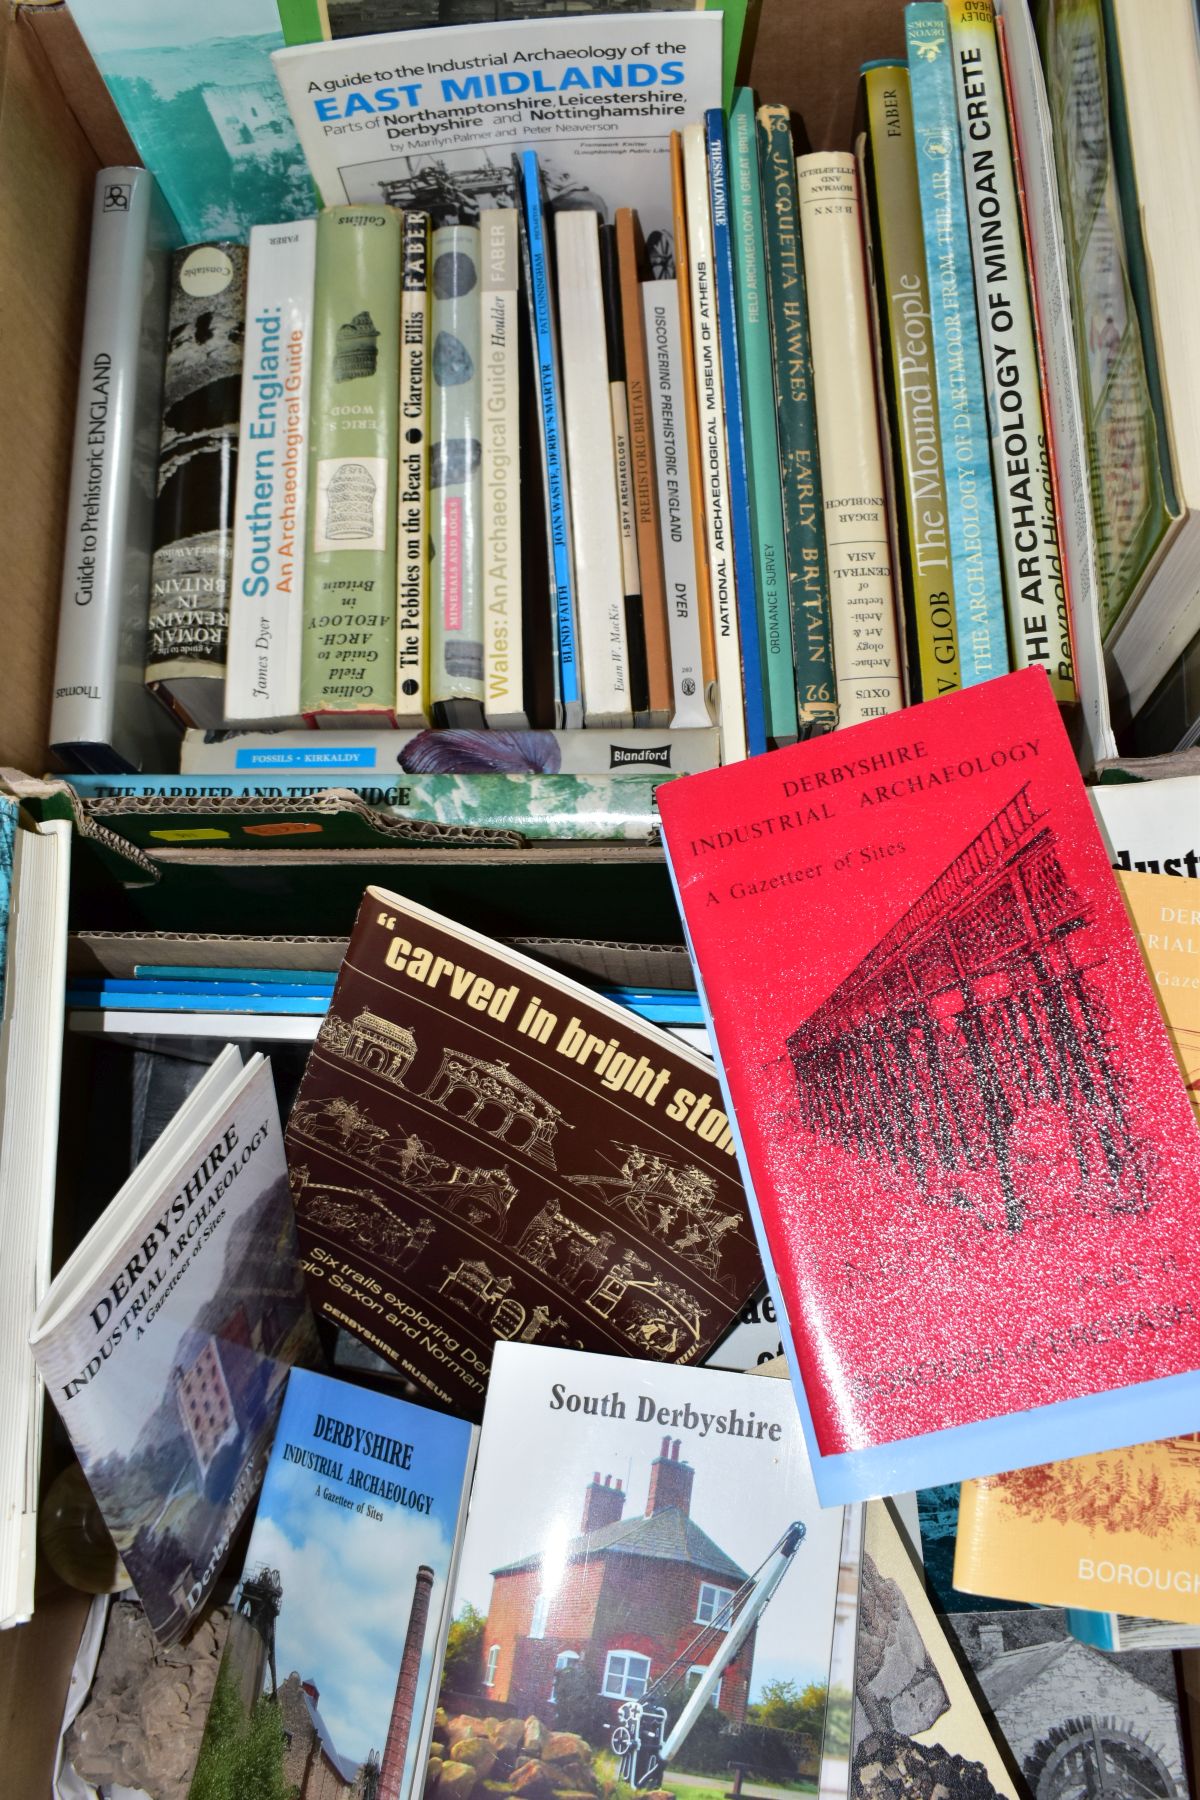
639,1613
483,1149
957,1105
166,1340
339,1621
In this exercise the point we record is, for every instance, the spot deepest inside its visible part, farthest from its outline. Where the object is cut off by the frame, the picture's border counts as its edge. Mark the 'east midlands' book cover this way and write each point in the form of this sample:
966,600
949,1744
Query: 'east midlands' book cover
957,1107
339,1626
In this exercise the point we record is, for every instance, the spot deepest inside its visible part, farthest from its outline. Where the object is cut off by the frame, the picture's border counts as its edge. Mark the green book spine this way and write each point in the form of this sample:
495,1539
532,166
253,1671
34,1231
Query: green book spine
758,404
455,481
796,423
903,290
303,21
349,655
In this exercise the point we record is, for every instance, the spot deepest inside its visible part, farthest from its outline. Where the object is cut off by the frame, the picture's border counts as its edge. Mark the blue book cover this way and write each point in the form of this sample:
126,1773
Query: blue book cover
340,1618
8,844
735,431
272,1005
549,385
198,94
1095,1628
962,409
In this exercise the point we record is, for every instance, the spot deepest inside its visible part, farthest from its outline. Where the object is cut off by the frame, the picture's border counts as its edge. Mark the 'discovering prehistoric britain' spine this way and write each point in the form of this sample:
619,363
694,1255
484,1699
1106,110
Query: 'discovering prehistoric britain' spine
262,675
101,716
348,668
197,463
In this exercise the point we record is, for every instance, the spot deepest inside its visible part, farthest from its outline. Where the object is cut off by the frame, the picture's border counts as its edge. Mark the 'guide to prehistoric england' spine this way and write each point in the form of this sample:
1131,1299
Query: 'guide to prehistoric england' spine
101,716
348,666
262,679
197,463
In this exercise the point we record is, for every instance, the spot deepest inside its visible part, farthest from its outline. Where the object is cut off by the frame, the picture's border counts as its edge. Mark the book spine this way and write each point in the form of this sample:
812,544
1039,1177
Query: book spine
691,415
569,707
741,519
348,662
503,648
1039,629
660,300
805,555
974,545
262,675
866,652
903,292
762,448
412,527
448,752
714,468
592,472
197,464
635,627
101,715
455,480
631,265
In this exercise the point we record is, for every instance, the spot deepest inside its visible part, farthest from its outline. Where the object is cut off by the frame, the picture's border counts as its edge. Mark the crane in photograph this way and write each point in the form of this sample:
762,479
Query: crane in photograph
642,1738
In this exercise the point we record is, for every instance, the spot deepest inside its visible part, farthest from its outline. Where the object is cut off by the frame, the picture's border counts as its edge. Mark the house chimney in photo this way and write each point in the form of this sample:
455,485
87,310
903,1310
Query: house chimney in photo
603,1503
670,1481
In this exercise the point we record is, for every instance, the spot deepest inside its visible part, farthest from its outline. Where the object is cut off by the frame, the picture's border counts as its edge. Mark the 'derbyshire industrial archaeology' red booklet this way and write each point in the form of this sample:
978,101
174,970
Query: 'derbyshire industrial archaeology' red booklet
971,1156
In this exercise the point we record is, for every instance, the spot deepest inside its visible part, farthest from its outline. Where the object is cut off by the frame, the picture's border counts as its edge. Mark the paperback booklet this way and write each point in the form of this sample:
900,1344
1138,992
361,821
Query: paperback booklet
165,1340
963,1089
482,1148
345,1586
1118,1532
629,1592
422,119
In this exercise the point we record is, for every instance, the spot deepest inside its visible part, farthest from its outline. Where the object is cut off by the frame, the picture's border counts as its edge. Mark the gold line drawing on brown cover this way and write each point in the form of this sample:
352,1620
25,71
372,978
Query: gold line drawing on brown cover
663,1195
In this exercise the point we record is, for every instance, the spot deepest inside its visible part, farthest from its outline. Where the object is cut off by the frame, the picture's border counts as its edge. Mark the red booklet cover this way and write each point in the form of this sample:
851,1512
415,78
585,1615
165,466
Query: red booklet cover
972,1160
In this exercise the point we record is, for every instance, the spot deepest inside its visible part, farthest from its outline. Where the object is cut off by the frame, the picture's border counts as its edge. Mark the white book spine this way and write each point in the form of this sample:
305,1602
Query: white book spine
711,402
866,650
1038,626
664,350
412,535
592,472
266,590
503,641
101,715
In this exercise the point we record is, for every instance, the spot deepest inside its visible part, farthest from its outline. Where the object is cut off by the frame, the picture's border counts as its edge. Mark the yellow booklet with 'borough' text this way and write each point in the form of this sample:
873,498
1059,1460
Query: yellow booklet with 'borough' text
1118,1532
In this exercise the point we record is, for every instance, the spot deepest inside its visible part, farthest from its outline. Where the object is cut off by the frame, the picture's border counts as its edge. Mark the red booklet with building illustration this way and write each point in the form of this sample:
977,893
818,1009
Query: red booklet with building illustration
964,1134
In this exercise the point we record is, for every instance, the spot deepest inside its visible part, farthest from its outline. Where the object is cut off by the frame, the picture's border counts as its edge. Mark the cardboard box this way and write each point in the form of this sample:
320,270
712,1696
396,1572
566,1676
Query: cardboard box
57,128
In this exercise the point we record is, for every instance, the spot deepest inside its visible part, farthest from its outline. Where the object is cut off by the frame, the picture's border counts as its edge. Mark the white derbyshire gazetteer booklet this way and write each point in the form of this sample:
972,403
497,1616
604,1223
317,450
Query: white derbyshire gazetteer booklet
428,121
167,1337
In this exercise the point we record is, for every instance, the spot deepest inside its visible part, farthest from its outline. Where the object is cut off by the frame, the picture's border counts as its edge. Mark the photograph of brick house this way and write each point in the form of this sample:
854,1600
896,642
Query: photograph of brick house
630,1593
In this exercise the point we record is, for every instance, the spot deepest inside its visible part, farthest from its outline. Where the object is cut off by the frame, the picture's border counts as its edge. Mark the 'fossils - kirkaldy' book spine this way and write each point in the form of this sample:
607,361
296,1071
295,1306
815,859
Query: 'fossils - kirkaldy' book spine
483,1149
